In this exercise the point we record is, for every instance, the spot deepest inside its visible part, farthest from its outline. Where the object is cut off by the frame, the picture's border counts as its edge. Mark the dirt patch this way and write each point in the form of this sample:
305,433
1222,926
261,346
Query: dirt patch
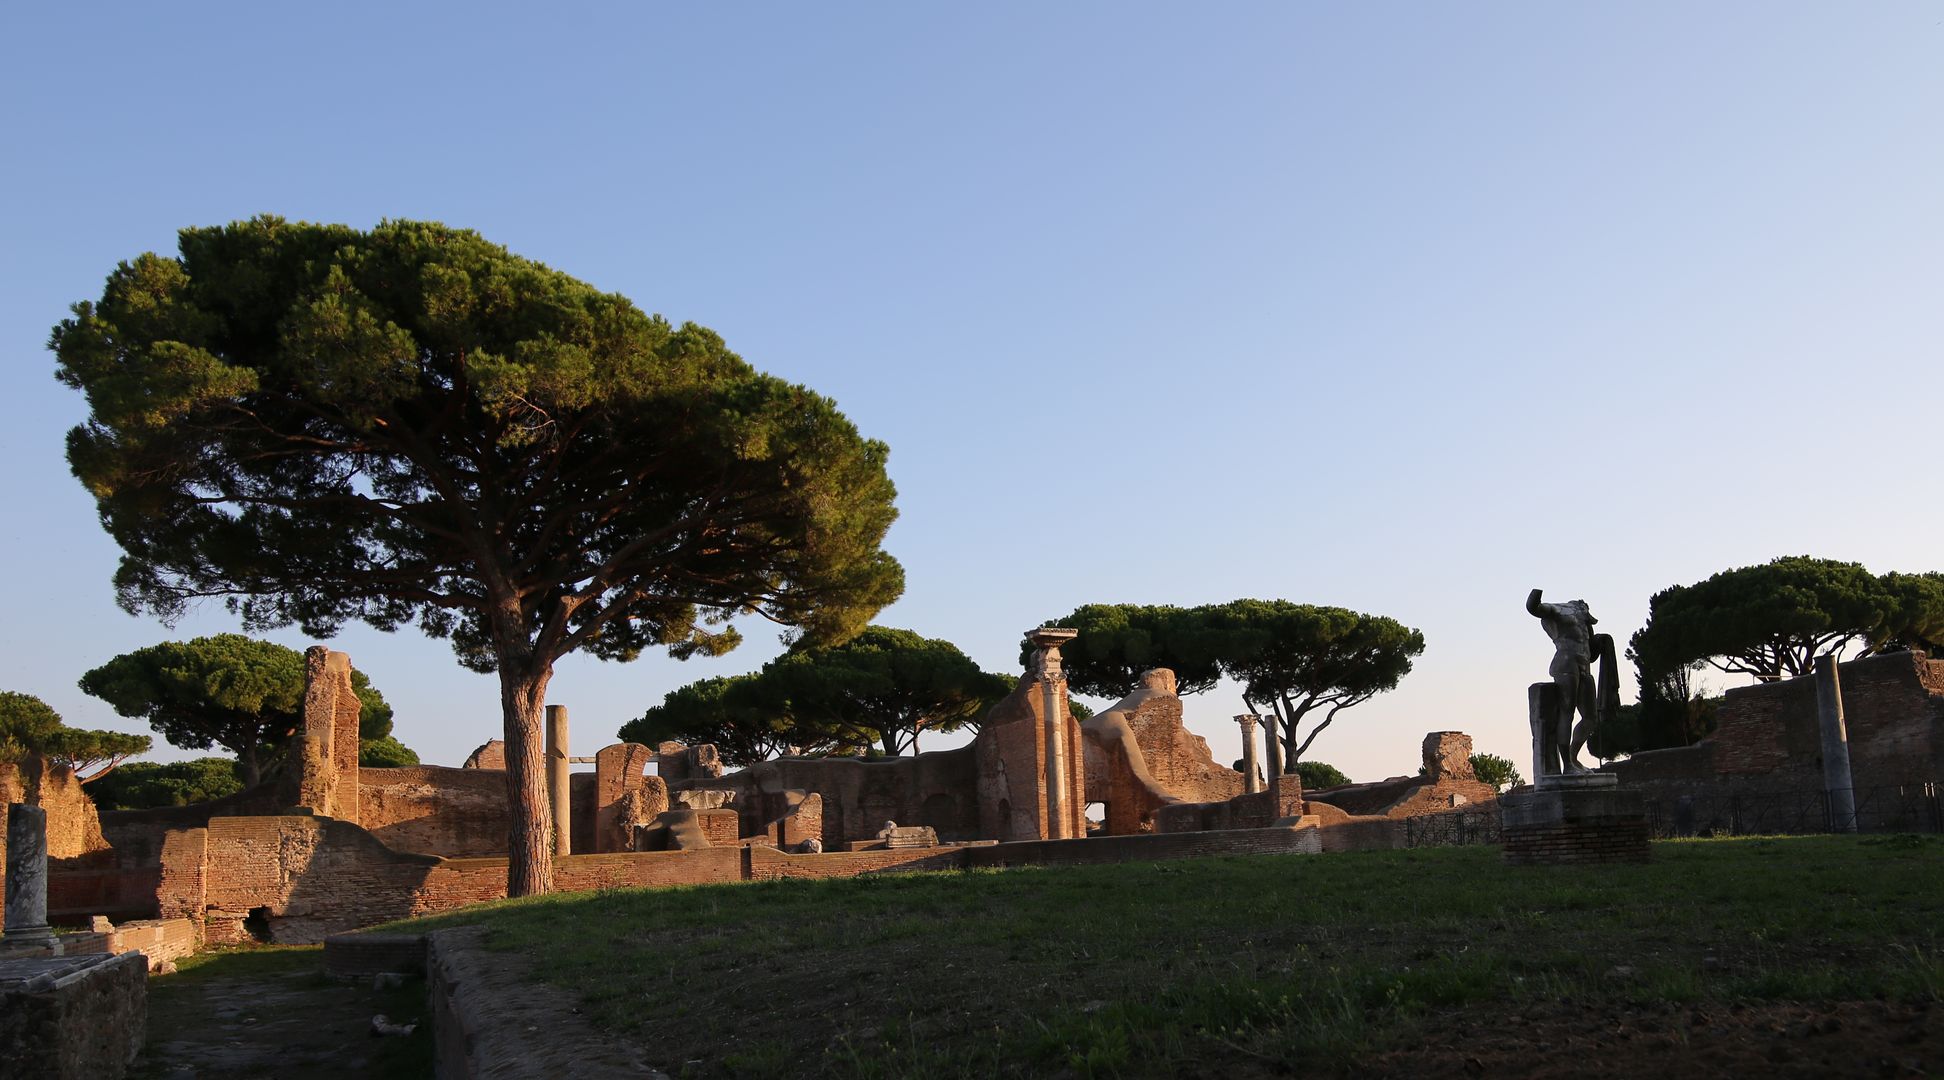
1668,1042
254,1014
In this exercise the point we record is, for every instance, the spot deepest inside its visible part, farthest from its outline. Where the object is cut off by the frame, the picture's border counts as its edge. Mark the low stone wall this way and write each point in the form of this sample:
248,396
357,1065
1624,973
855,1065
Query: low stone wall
769,864
158,940
72,1017
1300,838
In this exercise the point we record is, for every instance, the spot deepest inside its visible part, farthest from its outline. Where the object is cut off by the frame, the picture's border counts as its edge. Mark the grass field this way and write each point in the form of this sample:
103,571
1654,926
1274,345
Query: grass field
1260,965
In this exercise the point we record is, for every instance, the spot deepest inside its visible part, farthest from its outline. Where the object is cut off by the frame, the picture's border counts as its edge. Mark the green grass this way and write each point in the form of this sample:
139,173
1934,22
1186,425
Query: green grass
1236,963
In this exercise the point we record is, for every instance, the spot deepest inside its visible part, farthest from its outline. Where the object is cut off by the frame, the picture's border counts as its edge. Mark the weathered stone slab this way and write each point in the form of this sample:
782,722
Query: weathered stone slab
909,836
72,1017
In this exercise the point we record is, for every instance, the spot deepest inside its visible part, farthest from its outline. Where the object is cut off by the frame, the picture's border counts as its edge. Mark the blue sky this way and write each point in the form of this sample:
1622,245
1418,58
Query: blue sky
1407,308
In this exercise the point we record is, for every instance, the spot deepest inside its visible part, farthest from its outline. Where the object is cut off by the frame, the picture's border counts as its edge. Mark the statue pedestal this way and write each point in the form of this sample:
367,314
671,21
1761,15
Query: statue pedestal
1573,818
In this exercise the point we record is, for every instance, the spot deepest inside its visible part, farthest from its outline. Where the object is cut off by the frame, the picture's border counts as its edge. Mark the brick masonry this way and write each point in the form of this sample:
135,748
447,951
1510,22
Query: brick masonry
436,811
74,838
300,879
1548,826
1767,740
1575,843
1140,759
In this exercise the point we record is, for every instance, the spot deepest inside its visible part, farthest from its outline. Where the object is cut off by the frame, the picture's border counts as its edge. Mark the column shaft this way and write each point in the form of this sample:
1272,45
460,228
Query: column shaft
1835,745
1056,772
558,789
26,922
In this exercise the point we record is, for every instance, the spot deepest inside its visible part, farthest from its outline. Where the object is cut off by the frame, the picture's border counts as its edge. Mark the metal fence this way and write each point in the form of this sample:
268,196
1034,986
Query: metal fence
1904,808
1452,827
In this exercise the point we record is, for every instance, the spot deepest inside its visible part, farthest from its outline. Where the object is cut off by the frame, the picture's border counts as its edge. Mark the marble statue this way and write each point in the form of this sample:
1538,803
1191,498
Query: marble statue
1574,690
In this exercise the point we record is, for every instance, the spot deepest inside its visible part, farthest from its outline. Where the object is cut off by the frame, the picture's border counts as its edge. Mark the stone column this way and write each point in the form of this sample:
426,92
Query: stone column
1272,749
558,787
1053,700
1251,783
26,922
1835,745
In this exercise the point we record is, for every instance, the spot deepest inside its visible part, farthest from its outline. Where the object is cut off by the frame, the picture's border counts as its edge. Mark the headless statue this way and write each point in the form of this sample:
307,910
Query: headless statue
1575,645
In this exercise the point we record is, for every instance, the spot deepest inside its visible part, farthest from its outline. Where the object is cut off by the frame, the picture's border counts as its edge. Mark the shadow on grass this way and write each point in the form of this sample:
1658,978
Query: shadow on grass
271,1011
1238,964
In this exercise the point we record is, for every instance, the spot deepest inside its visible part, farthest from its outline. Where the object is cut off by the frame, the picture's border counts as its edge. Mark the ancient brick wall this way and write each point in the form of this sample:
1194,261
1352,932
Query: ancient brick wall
74,839
433,810
158,940
1009,754
1301,839
1575,842
310,877
856,796
181,888
768,864
1282,799
490,754
73,826
1140,759
1444,781
1179,759
1441,797
1767,746
620,770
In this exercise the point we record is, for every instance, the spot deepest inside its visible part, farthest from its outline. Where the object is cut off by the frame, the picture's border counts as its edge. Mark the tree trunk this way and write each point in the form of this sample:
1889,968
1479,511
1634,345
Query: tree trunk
246,763
529,842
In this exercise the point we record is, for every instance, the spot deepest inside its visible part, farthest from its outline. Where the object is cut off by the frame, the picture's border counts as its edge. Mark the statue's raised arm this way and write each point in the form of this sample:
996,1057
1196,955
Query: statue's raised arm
1574,689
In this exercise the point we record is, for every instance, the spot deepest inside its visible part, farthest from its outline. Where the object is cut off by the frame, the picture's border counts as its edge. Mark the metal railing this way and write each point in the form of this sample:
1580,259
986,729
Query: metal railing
1451,828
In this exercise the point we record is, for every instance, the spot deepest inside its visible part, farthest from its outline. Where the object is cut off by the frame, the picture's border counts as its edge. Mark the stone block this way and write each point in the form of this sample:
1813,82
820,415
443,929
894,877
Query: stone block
72,1017
1447,756
1563,824
909,836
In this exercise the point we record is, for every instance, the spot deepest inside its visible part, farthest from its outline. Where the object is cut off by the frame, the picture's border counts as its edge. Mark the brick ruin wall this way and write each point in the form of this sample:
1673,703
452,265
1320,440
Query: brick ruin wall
74,838
1178,759
1141,760
432,810
1009,756
1576,842
300,878
159,940
1766,750
857,796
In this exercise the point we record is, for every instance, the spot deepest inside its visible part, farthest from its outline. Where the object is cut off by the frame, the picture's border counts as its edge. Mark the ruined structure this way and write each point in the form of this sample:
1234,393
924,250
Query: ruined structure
331,847
1140,758
1762,770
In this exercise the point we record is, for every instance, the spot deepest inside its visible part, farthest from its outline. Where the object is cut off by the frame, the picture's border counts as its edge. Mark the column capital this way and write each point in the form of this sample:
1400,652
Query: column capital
1248,721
